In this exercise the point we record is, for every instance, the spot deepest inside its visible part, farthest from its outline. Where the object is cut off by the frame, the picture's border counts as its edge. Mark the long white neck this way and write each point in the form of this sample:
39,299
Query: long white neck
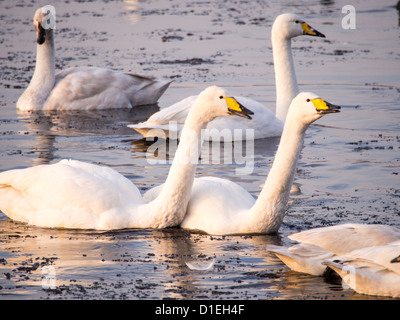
169,208
43,78
268,211
285,76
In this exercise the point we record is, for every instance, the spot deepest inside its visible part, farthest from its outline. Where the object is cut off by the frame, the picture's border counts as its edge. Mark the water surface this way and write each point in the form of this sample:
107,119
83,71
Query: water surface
348,171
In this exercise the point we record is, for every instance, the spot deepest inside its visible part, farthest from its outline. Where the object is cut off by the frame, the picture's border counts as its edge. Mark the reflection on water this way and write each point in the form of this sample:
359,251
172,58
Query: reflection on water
348,170
48,125
131,7
145,264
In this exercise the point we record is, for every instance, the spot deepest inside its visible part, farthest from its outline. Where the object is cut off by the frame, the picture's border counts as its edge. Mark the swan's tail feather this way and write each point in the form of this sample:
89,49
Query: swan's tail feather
151,131
151,88
164,86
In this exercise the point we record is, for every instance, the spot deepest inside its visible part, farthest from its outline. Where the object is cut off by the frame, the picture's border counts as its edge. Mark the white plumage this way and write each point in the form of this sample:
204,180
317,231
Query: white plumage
82,88
265,122
317,245
361,254
372,270
219,206
74,194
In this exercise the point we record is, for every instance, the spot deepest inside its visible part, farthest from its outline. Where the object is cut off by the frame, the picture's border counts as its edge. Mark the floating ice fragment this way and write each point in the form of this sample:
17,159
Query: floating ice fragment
202,266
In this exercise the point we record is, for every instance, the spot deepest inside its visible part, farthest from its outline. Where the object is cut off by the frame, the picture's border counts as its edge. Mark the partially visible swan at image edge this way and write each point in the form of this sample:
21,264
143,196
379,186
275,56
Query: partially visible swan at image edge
265,123
319,244
82,88
372,270
221,207
75,194
362,254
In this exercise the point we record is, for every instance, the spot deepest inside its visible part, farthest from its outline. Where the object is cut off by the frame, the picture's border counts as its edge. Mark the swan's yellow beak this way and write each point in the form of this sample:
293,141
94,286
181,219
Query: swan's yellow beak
324,107
235,108
397,259
310,31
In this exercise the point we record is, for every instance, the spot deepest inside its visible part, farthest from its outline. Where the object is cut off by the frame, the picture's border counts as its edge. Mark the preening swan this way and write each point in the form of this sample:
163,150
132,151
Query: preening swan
265,123
372,270
320,244
74,194
82,88
218,206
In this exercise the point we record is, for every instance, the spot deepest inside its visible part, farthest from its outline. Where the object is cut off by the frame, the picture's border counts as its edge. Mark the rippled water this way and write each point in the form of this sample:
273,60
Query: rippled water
348,169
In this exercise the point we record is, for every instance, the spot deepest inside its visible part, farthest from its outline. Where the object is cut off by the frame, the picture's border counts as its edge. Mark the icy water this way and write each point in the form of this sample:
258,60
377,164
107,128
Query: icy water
348,171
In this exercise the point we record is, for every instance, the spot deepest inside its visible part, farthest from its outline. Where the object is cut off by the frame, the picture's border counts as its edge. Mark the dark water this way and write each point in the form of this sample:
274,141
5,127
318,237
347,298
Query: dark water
348,171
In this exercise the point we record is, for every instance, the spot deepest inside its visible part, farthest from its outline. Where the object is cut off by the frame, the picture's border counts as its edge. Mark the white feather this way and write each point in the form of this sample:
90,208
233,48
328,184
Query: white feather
265,123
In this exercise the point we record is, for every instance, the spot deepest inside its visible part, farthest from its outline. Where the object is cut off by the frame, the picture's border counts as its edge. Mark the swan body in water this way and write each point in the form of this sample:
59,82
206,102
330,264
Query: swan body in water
363,255
75,194
372,270
265,123
221,207
319,244
82,88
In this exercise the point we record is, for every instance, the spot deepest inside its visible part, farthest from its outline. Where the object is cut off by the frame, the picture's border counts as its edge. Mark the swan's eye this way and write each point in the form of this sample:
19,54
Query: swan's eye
297,21
221,97
308,100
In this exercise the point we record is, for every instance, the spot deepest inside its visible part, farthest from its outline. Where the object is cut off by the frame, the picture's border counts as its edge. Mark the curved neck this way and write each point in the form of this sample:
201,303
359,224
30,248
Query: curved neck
269,209
285,76
43,78
169,207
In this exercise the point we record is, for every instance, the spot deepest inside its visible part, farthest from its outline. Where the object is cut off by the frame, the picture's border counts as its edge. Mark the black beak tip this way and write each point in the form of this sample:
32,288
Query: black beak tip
319,34
395,260
245,112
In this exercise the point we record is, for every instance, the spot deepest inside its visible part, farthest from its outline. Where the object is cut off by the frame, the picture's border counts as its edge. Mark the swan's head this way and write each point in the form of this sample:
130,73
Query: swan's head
289,25
43,20
215,102
308,107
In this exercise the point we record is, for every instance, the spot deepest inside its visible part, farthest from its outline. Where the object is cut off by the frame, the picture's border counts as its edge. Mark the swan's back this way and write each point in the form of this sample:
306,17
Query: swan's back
344,238
69,194
84,88
370,270
167,122
379,255
214,198
264,123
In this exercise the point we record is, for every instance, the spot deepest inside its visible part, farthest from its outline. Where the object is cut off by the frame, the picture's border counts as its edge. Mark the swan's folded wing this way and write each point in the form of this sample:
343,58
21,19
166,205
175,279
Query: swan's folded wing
87,88
304,258
344,238
69,194
367,277
374,256
168,122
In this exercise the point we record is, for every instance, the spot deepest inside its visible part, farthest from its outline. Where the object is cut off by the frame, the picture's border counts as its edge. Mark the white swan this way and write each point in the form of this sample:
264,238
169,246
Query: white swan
82,88
265,123
372,270
320,244
221,207
74,194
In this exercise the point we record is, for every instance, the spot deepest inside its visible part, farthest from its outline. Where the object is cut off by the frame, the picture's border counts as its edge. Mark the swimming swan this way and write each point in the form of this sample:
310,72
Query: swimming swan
220,207
323,244
265,123
75,194
372,270
82,88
